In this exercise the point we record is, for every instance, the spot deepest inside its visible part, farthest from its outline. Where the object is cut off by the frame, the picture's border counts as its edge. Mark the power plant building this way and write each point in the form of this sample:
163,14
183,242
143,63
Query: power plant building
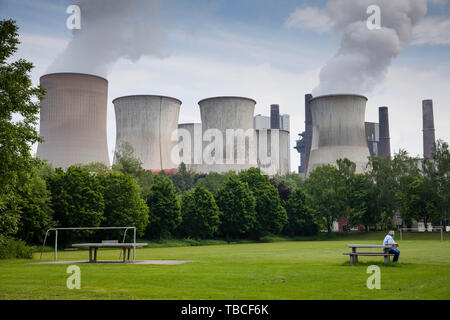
73,120
149,124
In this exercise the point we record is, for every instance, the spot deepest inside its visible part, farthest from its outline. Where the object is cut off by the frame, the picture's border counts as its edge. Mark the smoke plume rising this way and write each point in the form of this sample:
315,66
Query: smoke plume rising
365,55
110,30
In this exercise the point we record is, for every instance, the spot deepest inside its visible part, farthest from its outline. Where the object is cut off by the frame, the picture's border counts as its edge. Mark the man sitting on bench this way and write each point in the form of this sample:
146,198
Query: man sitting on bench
389,241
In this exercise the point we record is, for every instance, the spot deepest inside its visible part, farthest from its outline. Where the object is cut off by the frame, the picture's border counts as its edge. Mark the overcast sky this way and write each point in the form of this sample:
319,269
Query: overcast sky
271,51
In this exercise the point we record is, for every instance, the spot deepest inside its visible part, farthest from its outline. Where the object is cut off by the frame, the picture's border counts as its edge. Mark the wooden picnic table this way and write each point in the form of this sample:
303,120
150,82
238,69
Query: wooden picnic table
355,254
95,246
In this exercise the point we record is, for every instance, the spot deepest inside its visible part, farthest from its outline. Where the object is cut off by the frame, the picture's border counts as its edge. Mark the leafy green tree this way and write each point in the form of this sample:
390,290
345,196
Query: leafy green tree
326,195
96,167
19,110
36,214
270,215
200,214
165,209
284,191
301,219
237,206
437,177
77,200
212,181
125,160
123,205
183,180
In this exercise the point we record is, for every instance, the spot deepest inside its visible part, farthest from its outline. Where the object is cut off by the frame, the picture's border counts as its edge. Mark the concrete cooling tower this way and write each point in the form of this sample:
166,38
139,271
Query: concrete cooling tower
73,120
338,131
219,115
149,124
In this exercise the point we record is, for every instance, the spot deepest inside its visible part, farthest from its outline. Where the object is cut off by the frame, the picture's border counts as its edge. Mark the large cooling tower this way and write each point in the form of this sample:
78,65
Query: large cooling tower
190,142
338,131
149,124
228,113
308,129
73,120
429,135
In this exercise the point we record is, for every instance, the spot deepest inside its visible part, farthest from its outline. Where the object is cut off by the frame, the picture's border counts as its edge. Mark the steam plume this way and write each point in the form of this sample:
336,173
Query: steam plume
110,30
365,55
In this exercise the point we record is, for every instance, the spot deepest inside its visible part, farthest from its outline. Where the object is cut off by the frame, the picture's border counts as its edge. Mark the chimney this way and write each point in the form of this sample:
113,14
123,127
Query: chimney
275,116
429,138
308,129
384,149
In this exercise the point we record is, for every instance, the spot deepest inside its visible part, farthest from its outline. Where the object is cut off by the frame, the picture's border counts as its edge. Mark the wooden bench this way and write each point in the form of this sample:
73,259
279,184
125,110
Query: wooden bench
354,254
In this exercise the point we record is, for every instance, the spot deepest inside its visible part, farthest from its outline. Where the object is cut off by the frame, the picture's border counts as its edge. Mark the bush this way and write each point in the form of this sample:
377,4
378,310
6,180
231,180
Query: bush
11,248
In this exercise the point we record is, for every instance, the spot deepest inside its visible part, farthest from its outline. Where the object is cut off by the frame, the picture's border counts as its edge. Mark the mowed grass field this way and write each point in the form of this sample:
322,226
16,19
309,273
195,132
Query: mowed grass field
279,270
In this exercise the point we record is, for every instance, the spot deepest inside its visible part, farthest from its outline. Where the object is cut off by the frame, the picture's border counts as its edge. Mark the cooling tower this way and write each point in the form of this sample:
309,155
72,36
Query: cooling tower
223,153
385,139
73,120
429,138
308,130
149,124
273,151
338,131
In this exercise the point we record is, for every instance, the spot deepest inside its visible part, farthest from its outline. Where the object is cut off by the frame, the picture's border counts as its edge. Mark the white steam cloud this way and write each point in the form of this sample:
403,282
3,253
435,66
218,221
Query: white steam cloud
110,30
365,55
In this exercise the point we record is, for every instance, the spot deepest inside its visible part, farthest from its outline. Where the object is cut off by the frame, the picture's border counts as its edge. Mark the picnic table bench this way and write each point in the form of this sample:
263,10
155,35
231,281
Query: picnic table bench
354,254
109,244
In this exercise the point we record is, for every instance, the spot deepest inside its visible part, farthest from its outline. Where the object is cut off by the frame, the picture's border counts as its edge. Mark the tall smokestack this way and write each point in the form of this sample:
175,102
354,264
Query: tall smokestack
384,149
429,137
275,116
308,129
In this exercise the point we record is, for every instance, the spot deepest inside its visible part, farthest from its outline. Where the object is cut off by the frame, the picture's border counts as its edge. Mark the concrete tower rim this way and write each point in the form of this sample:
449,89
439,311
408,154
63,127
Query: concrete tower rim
147,96
227,97
338,95
74,74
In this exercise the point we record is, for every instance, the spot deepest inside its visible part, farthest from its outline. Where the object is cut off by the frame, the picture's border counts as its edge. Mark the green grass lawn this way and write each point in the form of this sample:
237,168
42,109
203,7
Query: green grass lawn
272,270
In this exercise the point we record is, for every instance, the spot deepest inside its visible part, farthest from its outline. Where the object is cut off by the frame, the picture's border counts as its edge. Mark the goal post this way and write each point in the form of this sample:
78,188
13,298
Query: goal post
421,230
88,228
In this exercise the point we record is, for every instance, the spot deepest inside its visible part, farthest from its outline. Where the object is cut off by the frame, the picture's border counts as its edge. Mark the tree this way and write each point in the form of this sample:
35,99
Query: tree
19,110
270,215
123,205
125,160
36,214
200,214
237,206
326,195
437,177
301,220
165,209
96,167
77,200
212,181
183,180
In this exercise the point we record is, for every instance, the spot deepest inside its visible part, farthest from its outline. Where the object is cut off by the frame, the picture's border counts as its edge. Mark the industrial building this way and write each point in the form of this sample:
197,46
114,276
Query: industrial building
73,120
148,124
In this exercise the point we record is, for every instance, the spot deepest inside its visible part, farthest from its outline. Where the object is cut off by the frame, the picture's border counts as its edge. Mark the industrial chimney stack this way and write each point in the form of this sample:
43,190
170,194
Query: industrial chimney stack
428,128
308,129
275,116
385,141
